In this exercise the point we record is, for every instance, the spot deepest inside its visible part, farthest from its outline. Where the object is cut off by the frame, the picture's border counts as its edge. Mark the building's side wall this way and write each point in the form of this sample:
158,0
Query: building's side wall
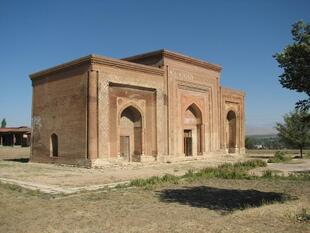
59,107
232,100
187,84
119,88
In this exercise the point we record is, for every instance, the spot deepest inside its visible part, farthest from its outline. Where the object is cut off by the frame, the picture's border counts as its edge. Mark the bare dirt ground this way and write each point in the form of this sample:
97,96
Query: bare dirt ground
19,153
293,166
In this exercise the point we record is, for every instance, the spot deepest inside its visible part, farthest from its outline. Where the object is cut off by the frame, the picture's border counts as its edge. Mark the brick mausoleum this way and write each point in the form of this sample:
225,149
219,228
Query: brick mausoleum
157,106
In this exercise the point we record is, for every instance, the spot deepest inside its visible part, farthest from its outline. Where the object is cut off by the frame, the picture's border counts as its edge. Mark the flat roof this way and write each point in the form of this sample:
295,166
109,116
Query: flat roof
22,129
92,58
175,56
128,63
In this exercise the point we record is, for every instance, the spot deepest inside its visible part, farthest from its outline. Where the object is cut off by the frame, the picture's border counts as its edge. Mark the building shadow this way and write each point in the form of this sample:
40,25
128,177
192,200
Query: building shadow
19,160
222,200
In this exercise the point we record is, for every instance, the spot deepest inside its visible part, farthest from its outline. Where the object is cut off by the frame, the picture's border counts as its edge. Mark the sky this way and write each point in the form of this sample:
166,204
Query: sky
240,35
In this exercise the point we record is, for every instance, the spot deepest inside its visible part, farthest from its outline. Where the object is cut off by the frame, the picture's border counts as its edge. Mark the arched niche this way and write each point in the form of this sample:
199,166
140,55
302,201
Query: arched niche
192,134
54,145
231,131
130,134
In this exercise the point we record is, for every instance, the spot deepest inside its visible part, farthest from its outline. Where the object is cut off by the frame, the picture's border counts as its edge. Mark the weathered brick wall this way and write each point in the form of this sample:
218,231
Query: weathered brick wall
187,81
81,101
59,106
233,100
145,90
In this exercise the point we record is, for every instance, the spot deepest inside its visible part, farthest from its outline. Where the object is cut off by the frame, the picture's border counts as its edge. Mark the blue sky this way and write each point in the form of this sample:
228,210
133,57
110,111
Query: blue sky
241,36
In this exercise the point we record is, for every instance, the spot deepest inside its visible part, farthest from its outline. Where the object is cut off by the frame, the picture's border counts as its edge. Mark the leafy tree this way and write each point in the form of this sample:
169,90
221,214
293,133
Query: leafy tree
295,61
3,123
249,143
295,131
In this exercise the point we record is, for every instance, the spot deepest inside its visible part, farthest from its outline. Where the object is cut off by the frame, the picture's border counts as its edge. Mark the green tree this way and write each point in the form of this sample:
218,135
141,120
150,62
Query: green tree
295,62
3,123
249,143
295,131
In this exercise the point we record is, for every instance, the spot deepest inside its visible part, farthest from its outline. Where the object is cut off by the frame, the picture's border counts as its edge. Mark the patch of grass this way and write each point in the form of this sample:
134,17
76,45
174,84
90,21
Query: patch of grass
121,186
225,171
155,180
303,216
268,174
292,176
30,192
299,176
228,170
280,157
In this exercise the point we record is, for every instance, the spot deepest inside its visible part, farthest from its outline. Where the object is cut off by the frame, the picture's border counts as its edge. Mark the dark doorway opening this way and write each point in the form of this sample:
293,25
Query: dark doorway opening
232,132
188,143
54,145
125,147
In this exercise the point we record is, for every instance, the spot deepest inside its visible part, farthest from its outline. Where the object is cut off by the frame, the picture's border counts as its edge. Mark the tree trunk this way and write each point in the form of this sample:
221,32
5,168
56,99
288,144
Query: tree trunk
300,149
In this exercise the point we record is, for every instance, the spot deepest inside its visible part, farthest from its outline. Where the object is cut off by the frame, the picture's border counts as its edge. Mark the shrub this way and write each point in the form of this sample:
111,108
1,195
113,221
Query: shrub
154,180
169,179
279,156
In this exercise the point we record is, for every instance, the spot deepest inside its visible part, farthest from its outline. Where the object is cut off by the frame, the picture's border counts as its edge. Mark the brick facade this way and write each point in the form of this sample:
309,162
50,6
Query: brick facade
158,106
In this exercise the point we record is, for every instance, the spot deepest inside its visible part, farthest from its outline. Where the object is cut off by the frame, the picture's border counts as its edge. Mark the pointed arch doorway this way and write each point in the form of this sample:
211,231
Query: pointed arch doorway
192,134
130,134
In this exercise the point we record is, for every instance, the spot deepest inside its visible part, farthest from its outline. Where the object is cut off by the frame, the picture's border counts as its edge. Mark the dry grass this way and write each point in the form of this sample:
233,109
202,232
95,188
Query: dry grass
212,205
209,204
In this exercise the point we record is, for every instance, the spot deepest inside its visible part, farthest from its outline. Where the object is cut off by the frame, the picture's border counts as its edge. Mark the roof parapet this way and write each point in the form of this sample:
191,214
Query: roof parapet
175,56
96,59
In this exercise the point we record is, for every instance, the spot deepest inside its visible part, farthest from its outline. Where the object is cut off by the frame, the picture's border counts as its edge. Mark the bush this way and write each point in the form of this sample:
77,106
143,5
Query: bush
154,180
279,156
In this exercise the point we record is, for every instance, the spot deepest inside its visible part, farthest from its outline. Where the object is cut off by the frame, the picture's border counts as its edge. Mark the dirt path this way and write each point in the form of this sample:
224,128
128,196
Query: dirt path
296,165
293,166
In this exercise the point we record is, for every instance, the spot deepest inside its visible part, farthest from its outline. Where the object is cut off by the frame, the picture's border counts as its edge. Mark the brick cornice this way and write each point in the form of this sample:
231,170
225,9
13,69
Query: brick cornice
126,65
95,59
230,91
177,57
190,60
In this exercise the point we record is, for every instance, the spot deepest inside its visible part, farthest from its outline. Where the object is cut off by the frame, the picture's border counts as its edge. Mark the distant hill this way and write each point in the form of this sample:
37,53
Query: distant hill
254,130
266,141
262,136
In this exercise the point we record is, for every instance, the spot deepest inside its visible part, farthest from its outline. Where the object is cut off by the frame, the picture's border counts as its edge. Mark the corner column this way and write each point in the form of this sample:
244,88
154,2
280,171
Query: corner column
92,115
